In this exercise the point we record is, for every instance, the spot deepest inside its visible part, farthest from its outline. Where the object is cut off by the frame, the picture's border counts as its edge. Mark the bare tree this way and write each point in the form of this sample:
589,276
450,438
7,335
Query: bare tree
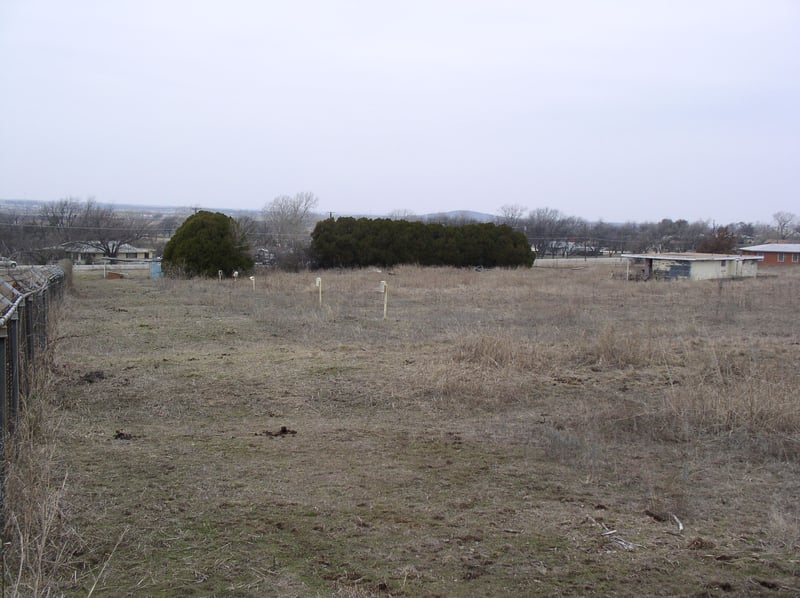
402,215
783,222
247,230
289,217
288,221
12,232
102,227
720,239
61,218
546,229
512,215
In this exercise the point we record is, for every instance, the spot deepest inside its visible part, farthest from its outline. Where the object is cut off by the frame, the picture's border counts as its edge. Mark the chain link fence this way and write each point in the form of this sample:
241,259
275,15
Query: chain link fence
27,298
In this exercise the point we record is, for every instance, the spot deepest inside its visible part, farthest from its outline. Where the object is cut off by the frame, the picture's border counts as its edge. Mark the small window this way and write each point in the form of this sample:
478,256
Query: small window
781,257
722,263
795,258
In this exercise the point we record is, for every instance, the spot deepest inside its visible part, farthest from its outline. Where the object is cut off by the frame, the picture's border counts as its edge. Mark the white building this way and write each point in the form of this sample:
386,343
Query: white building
690,266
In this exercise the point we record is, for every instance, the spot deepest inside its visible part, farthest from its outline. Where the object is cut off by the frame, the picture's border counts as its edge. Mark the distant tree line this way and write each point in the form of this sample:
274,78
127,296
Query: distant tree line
43,234
280,235
553,233
355,242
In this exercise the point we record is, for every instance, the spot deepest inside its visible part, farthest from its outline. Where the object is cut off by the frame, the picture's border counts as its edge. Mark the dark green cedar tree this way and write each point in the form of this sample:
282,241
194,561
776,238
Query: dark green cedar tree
204,244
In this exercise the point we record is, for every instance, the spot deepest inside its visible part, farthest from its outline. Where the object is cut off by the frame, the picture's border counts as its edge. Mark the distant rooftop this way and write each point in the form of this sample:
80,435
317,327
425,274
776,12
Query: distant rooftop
88,248
691,257
774,247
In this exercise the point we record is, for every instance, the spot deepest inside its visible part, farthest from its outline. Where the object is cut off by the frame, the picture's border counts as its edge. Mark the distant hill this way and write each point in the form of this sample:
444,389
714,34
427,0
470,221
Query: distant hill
32,206
460,215
452,216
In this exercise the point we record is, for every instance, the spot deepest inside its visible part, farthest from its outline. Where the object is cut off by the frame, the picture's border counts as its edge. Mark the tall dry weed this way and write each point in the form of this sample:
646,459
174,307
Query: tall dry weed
744,396
66,266
619,344
497,350
39,542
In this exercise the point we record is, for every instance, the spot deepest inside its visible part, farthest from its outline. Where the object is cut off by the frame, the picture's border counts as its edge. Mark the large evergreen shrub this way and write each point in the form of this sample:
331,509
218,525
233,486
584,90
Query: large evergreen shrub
358,242
204,244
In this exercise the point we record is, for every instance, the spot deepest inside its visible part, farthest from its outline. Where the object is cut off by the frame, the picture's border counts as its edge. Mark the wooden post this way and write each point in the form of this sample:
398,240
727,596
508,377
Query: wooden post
385,300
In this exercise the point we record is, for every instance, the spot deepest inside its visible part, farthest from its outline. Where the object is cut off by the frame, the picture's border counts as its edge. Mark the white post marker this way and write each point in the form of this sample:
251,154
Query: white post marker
319,286
219,275
253,280
385,290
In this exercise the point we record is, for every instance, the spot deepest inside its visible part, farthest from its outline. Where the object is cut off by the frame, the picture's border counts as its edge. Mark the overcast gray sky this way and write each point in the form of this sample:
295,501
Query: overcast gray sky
604,109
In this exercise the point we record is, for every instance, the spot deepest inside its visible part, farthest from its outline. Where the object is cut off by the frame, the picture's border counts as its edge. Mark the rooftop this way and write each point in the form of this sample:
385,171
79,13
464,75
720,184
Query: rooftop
89,248
775,247
691,257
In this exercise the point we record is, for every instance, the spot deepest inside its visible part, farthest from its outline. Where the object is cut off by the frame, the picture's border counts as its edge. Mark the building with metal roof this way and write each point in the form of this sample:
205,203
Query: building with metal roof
776,254
690,266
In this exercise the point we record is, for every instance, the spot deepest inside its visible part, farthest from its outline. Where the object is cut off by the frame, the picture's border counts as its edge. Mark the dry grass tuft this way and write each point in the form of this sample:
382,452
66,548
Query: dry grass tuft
620,345
496,351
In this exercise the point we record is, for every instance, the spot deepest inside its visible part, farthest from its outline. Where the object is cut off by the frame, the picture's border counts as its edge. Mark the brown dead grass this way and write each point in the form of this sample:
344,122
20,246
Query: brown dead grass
39,540
480,441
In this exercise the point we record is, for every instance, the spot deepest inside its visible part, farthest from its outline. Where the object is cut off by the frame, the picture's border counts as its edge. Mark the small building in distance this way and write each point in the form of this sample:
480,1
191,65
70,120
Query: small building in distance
86,253
690,266
776,254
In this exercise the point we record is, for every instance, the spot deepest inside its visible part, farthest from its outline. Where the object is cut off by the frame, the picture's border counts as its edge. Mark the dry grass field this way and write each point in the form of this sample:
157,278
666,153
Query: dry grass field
547,432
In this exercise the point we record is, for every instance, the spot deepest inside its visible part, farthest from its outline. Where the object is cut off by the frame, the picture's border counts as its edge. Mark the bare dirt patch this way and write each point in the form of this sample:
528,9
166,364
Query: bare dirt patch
536,432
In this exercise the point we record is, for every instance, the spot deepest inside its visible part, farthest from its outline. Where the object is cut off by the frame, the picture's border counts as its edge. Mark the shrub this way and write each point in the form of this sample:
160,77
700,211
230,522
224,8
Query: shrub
357,242
204,244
